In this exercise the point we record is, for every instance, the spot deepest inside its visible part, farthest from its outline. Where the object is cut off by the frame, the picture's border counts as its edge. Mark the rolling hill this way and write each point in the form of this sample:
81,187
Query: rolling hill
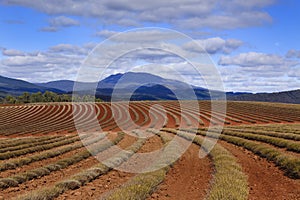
285,97
17,87
140,86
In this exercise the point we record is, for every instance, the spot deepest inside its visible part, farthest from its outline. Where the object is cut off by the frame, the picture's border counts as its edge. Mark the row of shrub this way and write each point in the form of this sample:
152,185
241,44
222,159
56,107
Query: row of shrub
288,163
278,142
17,179
140,186
31,143
12,142
64,141
18,162
88,175
285,135
229,181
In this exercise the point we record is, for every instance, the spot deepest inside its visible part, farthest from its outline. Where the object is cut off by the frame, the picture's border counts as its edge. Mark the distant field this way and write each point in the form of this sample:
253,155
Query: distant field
42,157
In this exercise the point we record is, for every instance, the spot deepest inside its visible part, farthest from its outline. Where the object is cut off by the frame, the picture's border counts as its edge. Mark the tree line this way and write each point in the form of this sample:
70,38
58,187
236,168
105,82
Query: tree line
47,96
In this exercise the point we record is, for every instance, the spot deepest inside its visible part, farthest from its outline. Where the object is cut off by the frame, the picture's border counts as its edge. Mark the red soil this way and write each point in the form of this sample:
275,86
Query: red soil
266,181
189,178
43,121
112,179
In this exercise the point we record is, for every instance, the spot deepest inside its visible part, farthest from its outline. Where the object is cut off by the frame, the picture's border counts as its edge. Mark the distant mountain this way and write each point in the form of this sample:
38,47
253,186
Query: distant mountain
284,97
18,87
137,79
66,85
143,86
124,81
140,86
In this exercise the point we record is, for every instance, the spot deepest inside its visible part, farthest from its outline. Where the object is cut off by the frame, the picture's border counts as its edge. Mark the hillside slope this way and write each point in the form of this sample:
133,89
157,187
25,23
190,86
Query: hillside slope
17,87
283,97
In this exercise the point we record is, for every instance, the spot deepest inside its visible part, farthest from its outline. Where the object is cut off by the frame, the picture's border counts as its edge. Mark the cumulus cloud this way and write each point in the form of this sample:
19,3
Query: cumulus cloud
12,52
260,72
260,79
295,72
293,53
71,49
189,13
106,33
254,59
57,23
243,19
63,21
58,62
141,35
213,45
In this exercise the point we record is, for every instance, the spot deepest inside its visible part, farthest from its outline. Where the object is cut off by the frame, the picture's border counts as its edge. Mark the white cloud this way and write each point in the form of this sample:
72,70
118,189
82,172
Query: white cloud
293,53
59,22
260,72
241,79
227,21
213,45
106,33
70,49
63,21
254,59
143,36
295,72
58,62
12,52
189,13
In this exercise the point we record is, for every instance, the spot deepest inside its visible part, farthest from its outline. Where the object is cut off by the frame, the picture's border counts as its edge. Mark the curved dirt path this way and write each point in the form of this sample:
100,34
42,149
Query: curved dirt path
189,178
113,179
266,181
53,177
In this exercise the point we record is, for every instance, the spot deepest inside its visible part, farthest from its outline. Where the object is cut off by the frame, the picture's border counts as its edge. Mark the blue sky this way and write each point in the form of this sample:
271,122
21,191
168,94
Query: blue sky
254,44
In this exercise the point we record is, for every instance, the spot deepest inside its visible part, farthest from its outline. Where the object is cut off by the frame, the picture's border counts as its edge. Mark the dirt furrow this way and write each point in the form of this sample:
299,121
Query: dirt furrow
112,179
53,177
266,181
189,178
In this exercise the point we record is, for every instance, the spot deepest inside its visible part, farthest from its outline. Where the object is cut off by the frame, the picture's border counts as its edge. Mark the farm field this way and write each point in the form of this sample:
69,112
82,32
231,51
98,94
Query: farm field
257,156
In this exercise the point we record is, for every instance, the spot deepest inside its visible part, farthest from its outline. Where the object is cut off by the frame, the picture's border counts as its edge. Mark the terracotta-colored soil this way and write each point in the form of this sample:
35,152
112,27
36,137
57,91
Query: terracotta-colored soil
188,179
152,144
112,179
266,181
53,177
38,164
104,183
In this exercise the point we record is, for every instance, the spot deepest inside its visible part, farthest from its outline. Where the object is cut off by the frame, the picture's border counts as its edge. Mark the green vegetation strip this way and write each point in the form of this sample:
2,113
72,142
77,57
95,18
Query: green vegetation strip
144,184
19,141
289,164
18,162
84,177
58,165
64,141
229,181
278,142
285,135
31,144
280,128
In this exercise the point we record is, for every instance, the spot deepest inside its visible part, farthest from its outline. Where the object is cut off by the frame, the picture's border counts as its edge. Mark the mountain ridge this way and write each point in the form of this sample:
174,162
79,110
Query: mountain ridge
17,87
133,83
